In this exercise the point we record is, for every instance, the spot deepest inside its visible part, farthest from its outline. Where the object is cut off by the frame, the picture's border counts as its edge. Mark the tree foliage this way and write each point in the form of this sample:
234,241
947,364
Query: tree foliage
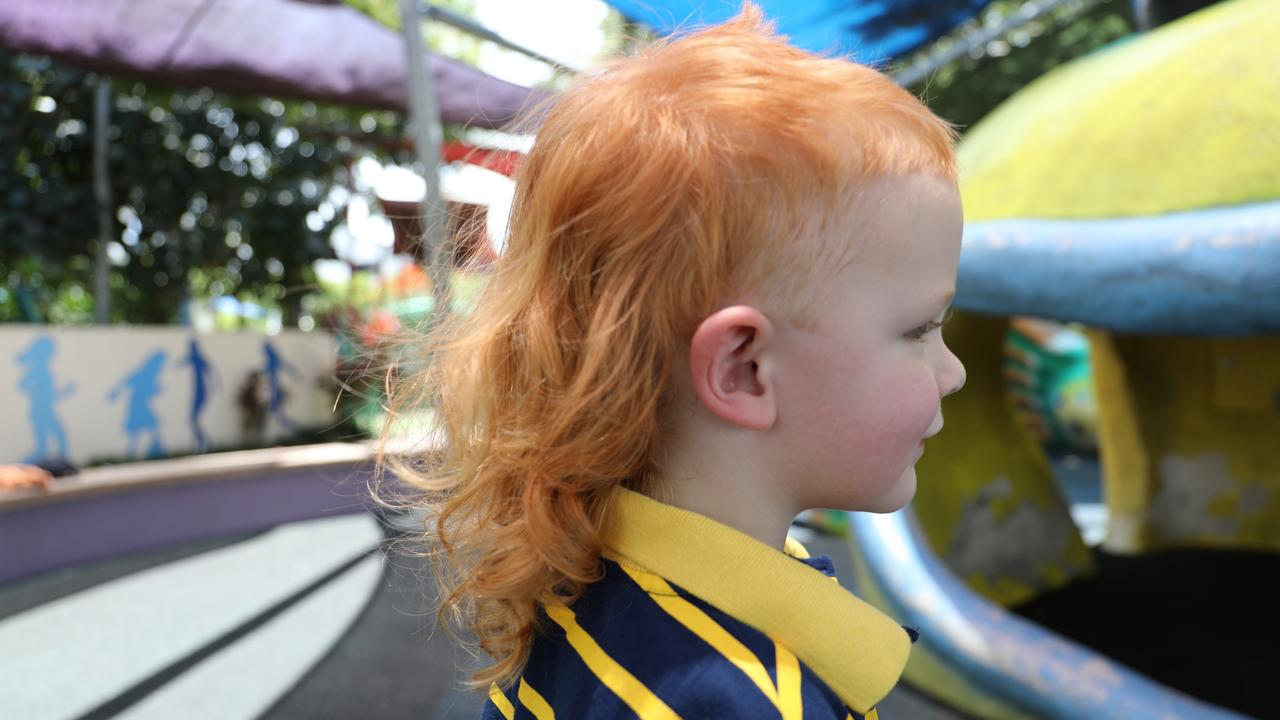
231,194
965,90
211,194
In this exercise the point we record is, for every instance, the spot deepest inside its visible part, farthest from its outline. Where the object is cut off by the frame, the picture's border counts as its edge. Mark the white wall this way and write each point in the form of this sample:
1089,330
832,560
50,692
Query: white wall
79,368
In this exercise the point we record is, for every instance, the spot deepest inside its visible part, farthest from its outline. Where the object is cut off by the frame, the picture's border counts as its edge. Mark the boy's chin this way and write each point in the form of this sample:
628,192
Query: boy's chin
896,496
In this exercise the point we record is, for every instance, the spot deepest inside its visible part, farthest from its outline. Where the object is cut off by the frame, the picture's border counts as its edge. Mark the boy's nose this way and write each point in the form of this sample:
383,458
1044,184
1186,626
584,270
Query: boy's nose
952,377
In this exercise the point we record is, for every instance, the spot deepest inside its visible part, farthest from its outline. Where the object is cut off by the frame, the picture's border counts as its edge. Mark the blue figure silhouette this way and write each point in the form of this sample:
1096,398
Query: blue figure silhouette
201,372
276,365
144,384
42,394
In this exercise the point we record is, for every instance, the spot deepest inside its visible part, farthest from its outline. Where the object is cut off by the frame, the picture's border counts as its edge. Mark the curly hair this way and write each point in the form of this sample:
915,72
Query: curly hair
702,166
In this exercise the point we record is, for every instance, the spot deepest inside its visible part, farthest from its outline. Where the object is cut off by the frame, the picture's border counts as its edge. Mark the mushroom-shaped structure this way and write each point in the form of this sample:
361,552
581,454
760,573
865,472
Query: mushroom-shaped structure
1136,191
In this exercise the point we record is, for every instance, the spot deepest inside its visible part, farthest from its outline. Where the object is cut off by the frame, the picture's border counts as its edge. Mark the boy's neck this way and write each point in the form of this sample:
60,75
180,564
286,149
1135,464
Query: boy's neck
720,478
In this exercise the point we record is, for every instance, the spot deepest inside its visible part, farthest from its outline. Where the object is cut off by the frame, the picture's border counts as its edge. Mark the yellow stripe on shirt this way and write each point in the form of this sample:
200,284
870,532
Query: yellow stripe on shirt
534,702
789,701
501,702
631,691
702,625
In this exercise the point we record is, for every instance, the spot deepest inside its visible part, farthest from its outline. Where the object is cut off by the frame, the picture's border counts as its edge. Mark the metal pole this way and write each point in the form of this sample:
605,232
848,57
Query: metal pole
424,122
467,25
102,194
976,39
1142,15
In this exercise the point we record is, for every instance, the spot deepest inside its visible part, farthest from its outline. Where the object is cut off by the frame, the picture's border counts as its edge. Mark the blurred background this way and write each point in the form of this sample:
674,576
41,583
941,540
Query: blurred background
216,216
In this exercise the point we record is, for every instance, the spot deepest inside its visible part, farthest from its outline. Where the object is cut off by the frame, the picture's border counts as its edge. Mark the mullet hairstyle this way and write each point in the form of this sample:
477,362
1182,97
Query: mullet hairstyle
716,163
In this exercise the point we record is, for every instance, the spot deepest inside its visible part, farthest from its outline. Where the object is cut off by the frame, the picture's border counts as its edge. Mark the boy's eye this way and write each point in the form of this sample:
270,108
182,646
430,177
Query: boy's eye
920,332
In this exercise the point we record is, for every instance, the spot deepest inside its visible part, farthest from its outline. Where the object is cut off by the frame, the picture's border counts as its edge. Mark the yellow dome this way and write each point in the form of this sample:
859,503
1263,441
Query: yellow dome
1184,117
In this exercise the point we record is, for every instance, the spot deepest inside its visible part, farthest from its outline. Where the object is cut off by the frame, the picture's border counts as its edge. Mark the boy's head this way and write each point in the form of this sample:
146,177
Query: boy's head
726,266
737,221
833,411
726,262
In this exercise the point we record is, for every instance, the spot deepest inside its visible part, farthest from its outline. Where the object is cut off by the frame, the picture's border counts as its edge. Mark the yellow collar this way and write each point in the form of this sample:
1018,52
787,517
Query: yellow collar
858,651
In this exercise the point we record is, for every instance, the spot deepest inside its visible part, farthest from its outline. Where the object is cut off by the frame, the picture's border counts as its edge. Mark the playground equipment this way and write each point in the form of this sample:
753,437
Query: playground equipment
1135,191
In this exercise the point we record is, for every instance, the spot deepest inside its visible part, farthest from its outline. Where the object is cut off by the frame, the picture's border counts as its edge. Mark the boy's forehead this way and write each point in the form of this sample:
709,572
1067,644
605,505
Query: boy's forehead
904,233
898,218
902,195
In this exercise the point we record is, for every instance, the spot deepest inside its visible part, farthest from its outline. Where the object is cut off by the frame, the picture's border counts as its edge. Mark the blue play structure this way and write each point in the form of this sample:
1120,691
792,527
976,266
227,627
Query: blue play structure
868,31
1229,255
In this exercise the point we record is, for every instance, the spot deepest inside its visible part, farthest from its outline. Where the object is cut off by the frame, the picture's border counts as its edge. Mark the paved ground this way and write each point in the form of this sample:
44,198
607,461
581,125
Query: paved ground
316,620
309,620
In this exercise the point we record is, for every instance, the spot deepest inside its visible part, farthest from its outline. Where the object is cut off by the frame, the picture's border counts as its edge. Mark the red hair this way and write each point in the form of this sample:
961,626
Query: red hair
707,165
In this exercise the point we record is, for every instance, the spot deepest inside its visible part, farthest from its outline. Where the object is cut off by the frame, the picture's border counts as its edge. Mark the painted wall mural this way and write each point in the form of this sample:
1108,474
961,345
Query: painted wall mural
88,394
38,384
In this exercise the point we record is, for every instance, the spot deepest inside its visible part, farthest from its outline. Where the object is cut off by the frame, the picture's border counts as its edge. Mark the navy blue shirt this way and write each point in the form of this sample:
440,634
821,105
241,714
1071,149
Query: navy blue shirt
636,645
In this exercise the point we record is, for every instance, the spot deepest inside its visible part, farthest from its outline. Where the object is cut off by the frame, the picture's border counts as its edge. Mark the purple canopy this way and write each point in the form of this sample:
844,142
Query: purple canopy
283,48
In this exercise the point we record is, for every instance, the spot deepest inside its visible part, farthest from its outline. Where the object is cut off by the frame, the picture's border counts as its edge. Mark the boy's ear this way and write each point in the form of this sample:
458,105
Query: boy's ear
731,366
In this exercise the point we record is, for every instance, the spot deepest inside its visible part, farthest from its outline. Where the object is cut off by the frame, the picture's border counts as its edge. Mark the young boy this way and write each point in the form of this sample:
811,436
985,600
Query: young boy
720,305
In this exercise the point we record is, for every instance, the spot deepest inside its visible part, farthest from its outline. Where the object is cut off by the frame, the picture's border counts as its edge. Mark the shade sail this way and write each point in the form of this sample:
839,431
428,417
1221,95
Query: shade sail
282,48
869,31
1154,164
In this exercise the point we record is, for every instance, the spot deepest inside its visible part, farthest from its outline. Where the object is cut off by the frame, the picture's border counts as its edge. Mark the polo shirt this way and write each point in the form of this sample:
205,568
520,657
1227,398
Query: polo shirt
693,619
